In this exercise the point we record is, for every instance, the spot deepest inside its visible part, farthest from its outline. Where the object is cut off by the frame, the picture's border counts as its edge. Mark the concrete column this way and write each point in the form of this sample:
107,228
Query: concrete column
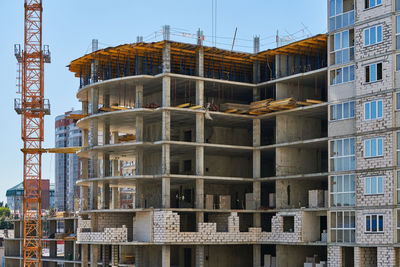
199,202
94,94
166,91
200,73
83,201
115,165
256,94
166,193
166,58
139,128
95,254
106,133
85,137
200,62
199,256
94,195
85,108
166,159
139,162
106,100
94,222
115,198
166,125
166,256
256,255
84,255
105,255
256,171
114,256
94,185
139,96
199,193
114,137
139,257
200,139
106,196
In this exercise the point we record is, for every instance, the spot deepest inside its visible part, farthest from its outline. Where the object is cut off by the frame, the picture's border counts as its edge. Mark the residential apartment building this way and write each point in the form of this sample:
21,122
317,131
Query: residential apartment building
363,132
67,170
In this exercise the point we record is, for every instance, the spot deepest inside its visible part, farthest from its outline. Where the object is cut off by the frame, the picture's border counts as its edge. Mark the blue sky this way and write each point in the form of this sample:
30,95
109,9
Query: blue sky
70,25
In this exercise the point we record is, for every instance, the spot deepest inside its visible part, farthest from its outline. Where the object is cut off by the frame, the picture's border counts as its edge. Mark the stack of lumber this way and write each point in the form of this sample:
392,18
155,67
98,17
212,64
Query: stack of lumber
75,116
113,108
235,108
269,105
127,138
189,105
282,104
260,107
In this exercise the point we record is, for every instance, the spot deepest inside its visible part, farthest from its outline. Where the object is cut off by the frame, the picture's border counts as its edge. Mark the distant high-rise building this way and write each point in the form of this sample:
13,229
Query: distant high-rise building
67,165
15,196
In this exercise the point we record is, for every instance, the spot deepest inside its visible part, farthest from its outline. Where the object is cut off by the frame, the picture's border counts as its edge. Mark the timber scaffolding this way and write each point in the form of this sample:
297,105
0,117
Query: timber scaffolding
146,59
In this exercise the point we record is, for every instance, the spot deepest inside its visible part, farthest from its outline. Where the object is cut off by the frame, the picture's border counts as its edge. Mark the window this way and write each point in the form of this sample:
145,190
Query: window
343,47
373,72
342,75
373,147
343,190
373,185
343,154
373,110
398,32
398,193
398,148
397,5
342,111
373,223
373,35
288,224
398,61
372,3
343,226
338,17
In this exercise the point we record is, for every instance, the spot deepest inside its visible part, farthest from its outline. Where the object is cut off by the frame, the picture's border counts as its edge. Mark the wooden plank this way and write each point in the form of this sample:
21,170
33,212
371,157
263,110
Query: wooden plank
185,105
119,108
314,101
196,107
303,103
231,110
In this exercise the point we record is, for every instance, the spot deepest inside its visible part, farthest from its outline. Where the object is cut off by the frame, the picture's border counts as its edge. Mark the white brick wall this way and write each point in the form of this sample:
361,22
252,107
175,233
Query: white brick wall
334,256
375,200
166,229
386,237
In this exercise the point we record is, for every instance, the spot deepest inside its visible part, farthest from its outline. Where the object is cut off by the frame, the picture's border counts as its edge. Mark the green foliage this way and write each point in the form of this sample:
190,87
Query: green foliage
4,214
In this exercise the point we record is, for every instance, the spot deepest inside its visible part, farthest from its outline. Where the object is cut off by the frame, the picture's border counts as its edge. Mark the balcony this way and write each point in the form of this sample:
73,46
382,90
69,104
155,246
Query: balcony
341,20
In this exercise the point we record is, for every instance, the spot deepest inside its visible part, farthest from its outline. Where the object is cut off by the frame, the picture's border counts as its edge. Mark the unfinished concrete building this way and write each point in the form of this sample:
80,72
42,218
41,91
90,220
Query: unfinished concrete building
230,154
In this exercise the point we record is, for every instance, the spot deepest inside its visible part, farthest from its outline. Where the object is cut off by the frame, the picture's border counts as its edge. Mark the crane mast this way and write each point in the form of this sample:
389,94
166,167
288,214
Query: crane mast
32,107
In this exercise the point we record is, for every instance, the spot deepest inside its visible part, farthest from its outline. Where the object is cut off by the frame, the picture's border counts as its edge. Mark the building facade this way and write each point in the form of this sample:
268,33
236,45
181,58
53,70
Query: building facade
67,170
15,197
363,132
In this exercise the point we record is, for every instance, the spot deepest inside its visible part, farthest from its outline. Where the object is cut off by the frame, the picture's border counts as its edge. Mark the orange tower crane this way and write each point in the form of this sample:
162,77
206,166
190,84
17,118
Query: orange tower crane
32,107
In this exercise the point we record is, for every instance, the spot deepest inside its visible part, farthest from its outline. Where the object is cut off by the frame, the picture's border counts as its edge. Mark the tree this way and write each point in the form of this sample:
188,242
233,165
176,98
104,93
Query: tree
4,214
